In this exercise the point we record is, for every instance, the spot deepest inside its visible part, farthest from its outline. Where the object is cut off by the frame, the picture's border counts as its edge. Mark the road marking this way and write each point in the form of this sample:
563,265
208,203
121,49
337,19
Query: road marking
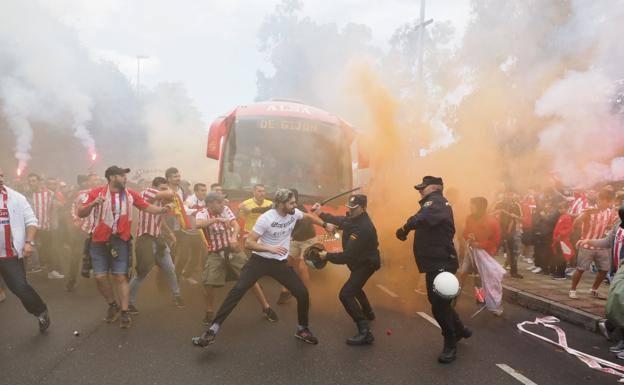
420,292
429,318
387,291
515,374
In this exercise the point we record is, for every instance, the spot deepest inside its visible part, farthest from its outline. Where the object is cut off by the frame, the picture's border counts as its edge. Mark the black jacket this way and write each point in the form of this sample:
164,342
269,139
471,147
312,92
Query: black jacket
433,242
359,241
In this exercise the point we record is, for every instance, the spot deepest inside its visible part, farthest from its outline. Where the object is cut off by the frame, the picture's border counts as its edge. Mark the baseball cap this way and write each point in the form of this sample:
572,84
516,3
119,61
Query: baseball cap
357,200
115,170
428,181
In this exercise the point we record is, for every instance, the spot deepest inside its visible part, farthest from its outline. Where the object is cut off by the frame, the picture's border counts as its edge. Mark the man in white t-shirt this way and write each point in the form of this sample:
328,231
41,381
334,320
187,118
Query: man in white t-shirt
269,242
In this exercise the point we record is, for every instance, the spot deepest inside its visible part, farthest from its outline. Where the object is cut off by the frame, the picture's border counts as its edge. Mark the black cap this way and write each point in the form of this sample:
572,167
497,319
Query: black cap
115,170
428,181
357,200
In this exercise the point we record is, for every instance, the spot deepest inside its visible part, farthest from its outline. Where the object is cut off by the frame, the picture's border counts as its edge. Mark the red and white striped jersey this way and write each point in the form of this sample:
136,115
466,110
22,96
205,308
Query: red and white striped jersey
580,204
85,224
42,205
218,233
597,224
6,240
149,223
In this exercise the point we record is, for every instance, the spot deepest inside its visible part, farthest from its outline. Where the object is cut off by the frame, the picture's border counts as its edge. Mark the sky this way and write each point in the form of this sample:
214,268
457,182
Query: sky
211,46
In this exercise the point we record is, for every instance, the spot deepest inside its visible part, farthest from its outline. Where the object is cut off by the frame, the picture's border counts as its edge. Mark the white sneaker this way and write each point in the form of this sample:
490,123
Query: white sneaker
530,261
536,270
572,294
55,275
531,267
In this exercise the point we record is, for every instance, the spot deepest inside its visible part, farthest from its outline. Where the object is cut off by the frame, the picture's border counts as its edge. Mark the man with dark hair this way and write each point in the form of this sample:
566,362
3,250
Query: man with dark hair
595,223
151,248
435,253
509,214
269,242
192,249
361,255
303,236
18,220
251,208
44,204
111,238
79,234
482,234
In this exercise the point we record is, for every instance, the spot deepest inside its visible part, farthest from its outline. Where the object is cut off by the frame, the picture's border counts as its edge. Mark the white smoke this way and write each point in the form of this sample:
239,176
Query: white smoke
585,133
43,76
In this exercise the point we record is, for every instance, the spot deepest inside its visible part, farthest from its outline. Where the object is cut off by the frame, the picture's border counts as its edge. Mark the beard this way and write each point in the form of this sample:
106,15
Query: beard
119,185
291,212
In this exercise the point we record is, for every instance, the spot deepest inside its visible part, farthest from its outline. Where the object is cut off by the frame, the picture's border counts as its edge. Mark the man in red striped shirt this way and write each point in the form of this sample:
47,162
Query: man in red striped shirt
594,225
151,248
225,255
44,204
111,238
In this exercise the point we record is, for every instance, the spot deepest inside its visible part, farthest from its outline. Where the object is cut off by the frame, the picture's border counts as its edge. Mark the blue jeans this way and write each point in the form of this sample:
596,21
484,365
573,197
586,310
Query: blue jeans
160,257
103,260
14,275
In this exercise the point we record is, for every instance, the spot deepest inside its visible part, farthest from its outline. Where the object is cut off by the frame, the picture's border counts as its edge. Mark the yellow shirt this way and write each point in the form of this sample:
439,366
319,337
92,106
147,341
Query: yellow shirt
251,218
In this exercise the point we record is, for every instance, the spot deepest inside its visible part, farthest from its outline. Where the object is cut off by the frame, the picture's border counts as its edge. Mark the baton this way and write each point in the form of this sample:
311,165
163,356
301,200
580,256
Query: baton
323,202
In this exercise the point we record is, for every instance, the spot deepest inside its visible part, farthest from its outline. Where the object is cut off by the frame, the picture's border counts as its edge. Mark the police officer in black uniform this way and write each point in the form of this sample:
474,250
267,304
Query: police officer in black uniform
361,254
434,252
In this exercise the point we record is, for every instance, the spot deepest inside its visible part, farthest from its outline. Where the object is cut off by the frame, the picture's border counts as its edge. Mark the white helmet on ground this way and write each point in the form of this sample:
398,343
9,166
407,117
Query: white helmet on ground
446,285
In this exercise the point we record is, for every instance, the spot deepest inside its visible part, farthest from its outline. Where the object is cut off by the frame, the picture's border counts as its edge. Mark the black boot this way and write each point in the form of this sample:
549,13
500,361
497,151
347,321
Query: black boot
463,333
369,314
449,352
364,336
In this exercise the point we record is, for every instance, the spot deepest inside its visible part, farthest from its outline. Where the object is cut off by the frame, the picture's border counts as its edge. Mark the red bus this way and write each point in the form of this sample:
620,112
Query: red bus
283,144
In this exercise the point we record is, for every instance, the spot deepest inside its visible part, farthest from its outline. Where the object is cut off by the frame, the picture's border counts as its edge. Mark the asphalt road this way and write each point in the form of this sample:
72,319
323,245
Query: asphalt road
250,350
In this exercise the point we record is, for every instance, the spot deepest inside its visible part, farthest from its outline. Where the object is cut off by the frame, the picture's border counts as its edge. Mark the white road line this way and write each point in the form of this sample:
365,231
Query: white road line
419,292
429,318
514,373
387,291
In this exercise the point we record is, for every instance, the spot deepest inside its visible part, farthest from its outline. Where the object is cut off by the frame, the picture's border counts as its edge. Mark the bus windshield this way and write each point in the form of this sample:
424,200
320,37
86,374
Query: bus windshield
282,152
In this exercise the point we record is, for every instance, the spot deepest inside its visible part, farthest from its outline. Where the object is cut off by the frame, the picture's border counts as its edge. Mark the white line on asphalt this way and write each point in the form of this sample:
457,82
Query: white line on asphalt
429,318
387,291
514,373
420,292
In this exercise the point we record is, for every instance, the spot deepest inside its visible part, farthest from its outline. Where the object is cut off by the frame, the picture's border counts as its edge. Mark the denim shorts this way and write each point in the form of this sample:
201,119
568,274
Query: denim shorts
103,260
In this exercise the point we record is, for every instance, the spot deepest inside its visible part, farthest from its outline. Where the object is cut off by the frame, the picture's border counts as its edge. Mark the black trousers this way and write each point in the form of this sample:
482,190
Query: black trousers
543,254
14,275
511,247
557,264
256,268
47,247
443,311
77,247
352,294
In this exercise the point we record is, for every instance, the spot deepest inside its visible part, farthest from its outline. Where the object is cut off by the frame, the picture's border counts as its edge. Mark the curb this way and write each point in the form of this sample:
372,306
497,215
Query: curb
567,313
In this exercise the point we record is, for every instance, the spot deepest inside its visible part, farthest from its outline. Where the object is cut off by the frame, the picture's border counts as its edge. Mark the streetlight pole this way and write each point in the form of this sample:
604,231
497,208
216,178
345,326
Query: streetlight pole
421,43
138,81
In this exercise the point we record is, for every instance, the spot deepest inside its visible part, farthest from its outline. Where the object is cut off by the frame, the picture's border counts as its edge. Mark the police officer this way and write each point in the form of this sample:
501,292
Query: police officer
361,254
434,252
